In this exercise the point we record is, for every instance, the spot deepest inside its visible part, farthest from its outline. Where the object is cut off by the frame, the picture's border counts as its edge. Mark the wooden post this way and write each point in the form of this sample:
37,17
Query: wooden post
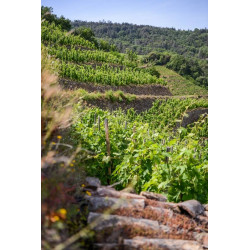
134,132
172,149
94,118
167,158
98,122
108,146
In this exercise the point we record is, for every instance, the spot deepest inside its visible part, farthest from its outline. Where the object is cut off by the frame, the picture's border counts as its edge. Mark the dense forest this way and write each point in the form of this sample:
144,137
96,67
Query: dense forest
144,38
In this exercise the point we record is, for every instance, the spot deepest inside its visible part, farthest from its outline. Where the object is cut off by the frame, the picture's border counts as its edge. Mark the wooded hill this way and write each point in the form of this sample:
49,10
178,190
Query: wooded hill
144,38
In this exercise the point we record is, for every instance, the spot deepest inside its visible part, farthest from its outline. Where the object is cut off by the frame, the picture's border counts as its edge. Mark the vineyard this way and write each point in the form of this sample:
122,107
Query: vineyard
73,62
155,148
140,143
139,149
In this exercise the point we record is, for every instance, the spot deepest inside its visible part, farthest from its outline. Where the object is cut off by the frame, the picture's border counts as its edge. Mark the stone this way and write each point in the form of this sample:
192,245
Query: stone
92,182
139,242
202,238
96,203
116,194
154,196
205,213
99,222
205,207
192,207
202,219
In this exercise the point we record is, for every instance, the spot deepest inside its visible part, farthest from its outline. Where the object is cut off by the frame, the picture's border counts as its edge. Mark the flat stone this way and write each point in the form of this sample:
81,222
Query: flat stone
154,196
169,244
96,203
205,213
92,182
99,222
116,194
192,207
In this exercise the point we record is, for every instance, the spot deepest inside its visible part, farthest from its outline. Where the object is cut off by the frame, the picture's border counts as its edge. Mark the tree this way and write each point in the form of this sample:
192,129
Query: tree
46,13
86,33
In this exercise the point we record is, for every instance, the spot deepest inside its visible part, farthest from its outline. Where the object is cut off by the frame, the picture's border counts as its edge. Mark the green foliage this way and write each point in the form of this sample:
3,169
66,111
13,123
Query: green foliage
153,71
132,56
86,33
191,68
157,57
46,14
179,85
115,69
106,74
53,34
84,56
106,46
138,153
144,39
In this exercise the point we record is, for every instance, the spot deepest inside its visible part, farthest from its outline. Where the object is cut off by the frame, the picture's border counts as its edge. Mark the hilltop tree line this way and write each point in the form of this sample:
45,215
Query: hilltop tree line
144,39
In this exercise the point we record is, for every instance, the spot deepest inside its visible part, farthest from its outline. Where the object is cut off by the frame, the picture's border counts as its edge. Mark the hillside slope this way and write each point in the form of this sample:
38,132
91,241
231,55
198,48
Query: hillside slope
178,85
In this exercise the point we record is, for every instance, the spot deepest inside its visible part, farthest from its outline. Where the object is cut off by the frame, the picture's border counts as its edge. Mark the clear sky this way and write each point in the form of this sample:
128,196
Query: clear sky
180,14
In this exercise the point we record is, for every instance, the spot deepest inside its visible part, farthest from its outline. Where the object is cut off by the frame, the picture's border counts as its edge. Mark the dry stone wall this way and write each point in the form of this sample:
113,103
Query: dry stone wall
123,220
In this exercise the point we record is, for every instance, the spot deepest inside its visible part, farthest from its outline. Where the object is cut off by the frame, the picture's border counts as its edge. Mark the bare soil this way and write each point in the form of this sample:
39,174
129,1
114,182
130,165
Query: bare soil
148,89
140,104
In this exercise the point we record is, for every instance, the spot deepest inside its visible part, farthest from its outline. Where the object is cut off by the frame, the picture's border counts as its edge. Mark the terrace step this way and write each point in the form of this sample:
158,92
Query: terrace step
123,220
97,203
99,222
139,242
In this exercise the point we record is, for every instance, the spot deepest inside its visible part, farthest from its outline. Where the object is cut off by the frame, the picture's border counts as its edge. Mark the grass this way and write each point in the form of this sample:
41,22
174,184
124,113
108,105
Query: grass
178,85
114,96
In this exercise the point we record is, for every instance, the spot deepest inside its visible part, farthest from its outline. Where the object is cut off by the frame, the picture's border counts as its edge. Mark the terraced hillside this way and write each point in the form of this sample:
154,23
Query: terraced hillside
121,124
82,65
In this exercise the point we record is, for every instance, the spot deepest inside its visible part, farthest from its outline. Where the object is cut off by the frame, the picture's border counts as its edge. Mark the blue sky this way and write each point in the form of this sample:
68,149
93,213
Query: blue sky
180,14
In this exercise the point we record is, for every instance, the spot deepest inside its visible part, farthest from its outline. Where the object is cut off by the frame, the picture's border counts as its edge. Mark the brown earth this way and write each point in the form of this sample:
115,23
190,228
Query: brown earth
147,89
193,116
140,104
